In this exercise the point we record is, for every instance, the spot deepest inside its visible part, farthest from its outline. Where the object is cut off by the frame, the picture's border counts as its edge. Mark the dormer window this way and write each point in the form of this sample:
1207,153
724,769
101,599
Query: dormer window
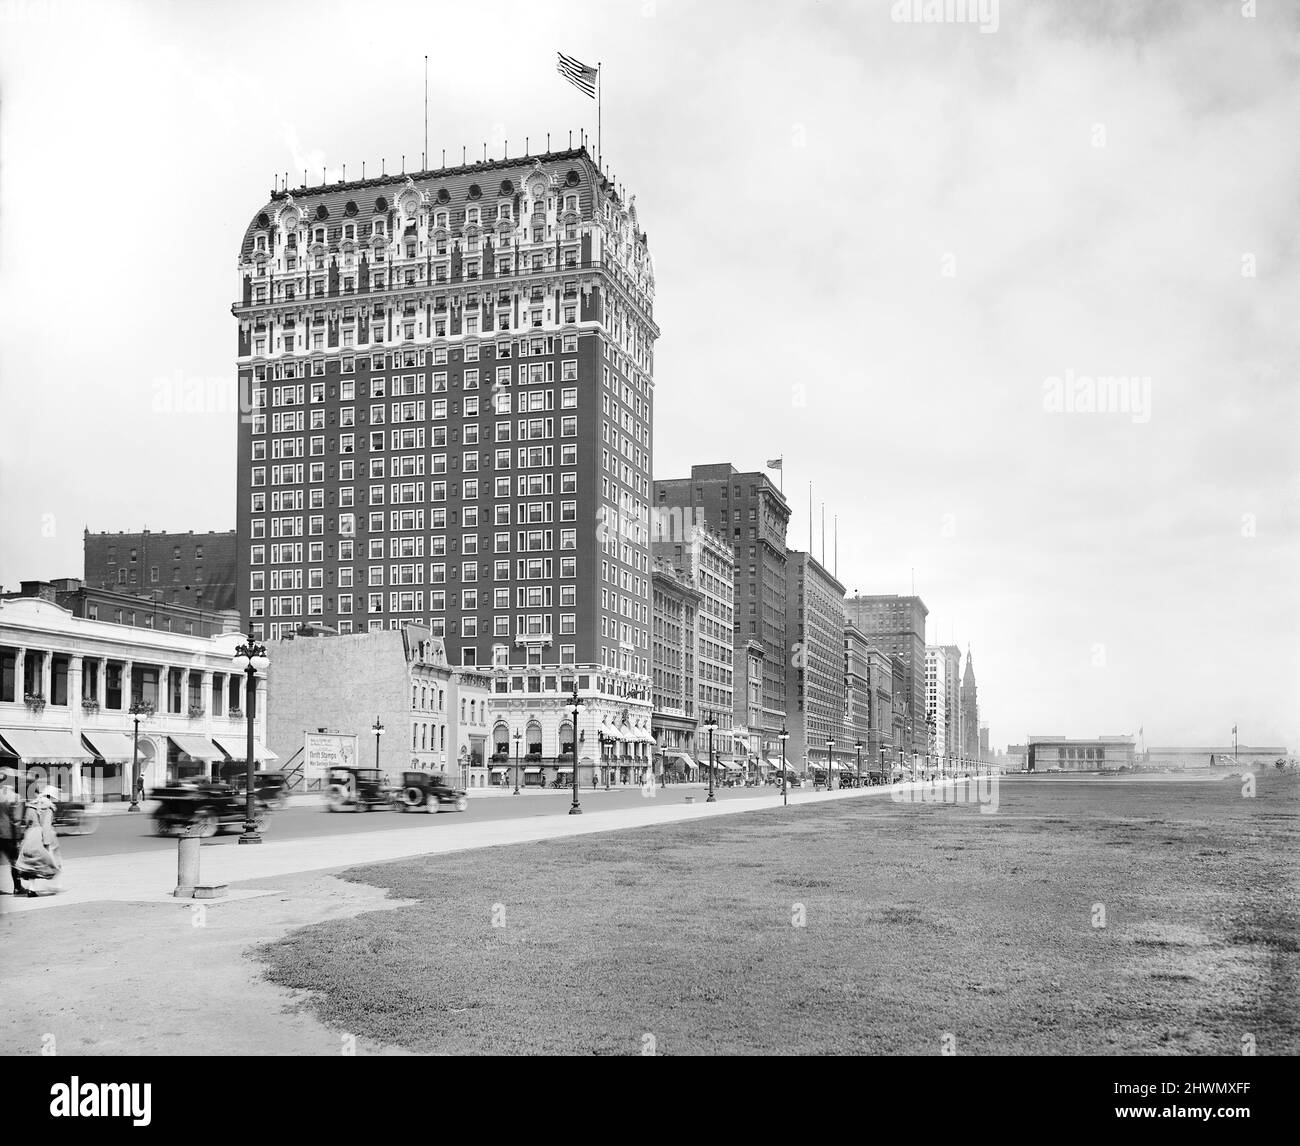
379,226
471,215
442,218
570,202
348,231
320,234
259,244
504,212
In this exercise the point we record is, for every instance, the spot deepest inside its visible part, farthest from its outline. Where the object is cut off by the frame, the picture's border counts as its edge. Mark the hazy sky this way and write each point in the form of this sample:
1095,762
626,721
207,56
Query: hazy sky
897,252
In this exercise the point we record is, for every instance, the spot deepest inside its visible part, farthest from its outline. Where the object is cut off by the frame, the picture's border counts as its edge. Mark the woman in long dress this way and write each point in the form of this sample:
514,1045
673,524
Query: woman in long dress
39,857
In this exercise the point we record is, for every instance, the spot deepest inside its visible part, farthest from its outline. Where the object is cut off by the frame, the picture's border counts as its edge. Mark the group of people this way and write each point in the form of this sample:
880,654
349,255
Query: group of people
29,847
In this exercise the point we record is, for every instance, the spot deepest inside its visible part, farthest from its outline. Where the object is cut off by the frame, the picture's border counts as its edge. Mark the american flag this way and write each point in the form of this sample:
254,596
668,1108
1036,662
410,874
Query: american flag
581,76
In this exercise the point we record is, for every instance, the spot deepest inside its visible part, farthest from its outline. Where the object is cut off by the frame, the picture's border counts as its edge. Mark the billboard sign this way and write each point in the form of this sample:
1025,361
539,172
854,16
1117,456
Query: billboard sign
325,750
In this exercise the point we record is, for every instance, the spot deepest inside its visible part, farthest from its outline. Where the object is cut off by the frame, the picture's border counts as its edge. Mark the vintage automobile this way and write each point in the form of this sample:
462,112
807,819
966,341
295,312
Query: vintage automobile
200,808
431,791
351,789
74,818
271,788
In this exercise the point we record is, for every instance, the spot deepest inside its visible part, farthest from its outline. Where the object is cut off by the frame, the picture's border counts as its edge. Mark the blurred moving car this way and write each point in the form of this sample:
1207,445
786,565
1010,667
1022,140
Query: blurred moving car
351,789
271,789
431,791
202,808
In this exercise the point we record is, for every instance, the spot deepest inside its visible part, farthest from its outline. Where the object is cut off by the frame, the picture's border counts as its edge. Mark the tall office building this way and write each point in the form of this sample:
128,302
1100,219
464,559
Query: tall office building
858,701
450,393
751,515
705,561
815,676
896,625
942,668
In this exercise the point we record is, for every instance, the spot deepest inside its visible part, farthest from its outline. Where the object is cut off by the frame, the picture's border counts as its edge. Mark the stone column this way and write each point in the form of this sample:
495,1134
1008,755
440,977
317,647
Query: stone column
185,692
74,690
47,666
20,664
101,683
205,692
127,668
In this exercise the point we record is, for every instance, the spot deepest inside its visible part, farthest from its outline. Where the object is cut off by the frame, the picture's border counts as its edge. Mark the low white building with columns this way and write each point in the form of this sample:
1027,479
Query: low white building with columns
68,686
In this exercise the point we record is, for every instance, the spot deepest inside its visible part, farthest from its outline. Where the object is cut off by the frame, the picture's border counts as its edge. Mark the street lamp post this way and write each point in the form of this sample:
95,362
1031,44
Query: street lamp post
710,726
783,736
518,737
857,747
830,747
883,759
576,810
249,658
139,708
378,729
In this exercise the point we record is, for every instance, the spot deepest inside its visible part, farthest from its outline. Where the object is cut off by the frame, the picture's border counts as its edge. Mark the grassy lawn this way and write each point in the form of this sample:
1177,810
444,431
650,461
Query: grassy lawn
918,921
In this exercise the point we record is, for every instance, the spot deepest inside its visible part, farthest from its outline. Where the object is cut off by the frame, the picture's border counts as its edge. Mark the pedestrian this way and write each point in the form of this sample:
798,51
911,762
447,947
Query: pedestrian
38,856
139,789
11,830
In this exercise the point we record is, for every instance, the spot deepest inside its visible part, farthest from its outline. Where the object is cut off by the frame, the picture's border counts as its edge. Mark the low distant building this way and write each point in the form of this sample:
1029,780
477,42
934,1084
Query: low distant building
1069,754
856,726
72,688
435,716
1204,756
675,604
194,569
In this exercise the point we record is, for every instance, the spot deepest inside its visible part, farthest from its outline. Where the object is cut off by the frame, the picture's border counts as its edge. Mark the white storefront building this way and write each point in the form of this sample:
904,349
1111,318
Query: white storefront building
68,687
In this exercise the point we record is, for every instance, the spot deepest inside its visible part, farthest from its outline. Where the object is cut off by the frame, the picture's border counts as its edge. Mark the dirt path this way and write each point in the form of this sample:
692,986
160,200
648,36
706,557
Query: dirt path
159,979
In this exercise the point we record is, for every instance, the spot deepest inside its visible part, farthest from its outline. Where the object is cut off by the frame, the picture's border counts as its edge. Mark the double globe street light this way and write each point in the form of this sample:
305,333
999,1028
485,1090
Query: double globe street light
250,659
577,708
783,736
710,726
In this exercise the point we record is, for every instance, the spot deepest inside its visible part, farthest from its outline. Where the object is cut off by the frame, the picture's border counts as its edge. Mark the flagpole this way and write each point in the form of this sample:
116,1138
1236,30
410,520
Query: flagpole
425,163
598,159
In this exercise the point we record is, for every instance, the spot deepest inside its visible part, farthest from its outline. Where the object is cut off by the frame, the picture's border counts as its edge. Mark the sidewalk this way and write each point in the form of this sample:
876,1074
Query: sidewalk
151,876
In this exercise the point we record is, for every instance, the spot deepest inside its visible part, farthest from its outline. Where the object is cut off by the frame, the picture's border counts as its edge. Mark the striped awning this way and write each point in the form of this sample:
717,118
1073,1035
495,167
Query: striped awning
31,745
195,747
237,749
116,747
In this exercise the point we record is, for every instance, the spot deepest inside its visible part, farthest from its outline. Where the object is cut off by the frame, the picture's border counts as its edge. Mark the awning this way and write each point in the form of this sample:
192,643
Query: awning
647,737
196,747
532,768
112,747
237,749
30,745
564,768
501,768
682,756
611,733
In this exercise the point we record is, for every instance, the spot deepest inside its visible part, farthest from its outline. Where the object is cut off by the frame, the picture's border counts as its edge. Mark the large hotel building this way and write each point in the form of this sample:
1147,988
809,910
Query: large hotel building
450,383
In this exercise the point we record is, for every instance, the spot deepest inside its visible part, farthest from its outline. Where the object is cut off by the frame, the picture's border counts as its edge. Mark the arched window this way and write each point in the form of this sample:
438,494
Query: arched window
533,739
415,733
566,738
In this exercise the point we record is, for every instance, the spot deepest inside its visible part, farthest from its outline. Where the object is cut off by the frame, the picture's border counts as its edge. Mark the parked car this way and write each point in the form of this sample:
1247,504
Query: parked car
431,791
202,808
358,790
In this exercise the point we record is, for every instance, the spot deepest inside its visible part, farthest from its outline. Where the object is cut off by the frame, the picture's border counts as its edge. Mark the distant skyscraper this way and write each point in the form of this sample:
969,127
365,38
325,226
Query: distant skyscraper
970,718
942,665
896,625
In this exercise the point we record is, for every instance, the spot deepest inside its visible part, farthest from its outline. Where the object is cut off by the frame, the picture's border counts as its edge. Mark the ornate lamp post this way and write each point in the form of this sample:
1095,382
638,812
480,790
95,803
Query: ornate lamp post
783,736
857,747
140,709
710,726
249,658
577,708
378,729
830,748
518,737
606,766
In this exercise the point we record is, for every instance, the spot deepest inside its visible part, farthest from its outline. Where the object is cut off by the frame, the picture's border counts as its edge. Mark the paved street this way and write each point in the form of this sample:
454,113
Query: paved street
306,817
144,868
